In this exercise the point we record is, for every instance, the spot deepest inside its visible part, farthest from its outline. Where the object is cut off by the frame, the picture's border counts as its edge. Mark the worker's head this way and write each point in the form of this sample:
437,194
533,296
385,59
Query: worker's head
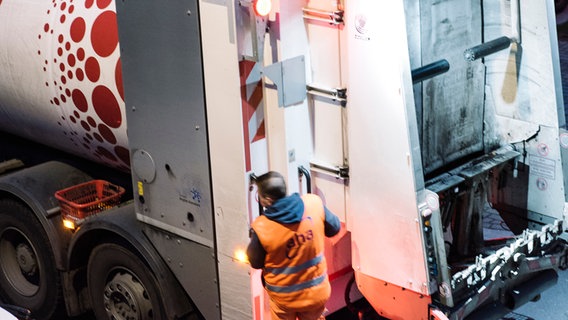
271,187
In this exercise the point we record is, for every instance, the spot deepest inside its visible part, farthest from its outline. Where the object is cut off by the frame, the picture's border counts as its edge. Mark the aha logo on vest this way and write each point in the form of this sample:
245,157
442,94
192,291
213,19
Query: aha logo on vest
298,239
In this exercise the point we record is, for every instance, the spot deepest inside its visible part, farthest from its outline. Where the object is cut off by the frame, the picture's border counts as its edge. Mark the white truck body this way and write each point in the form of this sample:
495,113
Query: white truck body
195,98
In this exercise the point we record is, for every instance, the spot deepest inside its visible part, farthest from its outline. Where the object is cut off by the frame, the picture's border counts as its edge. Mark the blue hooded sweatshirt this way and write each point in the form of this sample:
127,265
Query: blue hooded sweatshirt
286,210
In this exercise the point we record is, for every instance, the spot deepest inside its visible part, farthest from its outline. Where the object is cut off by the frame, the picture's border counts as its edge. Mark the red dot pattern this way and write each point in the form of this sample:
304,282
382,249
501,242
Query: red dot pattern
79,100
92,69
71,60
105,153
84,76
80,54
104,42
91,122
103,4
122,153
107,134
80,74
118,78
78,28
106,106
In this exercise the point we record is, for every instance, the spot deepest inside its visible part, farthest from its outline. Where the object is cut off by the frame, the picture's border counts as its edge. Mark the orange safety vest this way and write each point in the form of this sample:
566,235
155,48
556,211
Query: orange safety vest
294,271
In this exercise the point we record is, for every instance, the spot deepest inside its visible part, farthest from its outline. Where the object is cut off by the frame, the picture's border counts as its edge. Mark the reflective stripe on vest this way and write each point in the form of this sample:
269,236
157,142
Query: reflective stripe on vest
295,269
297,287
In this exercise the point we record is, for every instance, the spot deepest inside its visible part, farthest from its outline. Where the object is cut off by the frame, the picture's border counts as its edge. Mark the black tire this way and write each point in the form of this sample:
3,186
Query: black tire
28,276
121,286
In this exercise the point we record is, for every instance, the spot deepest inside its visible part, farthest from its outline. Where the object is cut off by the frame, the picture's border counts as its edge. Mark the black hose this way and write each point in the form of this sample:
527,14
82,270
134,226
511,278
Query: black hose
350,306
430,70
363,309
487,48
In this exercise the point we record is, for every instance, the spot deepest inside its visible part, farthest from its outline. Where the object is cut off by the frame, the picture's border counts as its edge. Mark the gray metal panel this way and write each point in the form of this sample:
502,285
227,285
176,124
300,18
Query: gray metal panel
452,124
289,76
164,94
191,263
162,72
555,56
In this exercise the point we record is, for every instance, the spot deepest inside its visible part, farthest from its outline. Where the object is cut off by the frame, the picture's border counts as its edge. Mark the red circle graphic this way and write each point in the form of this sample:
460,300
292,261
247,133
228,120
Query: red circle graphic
123,154
91,121
118,78
80,75
85,125
106,106
79,100
104,34
105,153
78,28
80,54
102,4
98,137
92,69
71,60
107,134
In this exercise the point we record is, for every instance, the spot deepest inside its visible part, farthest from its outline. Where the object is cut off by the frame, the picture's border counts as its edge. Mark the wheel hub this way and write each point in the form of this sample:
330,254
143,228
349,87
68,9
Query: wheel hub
124,298
18,262
26,259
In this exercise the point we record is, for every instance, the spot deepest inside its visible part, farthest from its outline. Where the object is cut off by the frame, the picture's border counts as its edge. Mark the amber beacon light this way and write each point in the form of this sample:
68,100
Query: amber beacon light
262,7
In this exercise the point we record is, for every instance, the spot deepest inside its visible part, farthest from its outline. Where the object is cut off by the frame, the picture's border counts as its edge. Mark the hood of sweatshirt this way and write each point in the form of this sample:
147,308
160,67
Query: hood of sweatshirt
286,210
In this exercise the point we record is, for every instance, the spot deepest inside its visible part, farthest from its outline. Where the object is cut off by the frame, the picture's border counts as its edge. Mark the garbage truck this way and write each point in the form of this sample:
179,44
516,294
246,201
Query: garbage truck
133,132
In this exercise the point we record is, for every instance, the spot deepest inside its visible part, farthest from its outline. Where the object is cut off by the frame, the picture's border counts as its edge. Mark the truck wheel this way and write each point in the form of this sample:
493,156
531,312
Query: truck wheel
121,286
28,277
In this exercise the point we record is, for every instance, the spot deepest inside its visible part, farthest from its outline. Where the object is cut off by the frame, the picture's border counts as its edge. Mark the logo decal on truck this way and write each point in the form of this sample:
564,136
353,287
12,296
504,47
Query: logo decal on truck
362,27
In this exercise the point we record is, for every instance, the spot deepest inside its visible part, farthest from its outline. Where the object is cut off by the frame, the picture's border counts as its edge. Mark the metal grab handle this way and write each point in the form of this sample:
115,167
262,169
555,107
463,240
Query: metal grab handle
340,172
331,17
252,180
335,94
304,172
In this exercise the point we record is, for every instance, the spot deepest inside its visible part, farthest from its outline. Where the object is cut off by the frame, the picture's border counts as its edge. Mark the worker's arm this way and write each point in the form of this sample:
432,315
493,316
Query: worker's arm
332,224
255,252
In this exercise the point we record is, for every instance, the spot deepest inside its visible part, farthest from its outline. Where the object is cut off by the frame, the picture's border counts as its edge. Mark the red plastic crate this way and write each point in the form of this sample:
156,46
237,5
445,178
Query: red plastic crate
85,199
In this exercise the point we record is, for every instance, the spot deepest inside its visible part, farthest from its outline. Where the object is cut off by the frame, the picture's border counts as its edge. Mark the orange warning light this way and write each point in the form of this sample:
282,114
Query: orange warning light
262,7
241,256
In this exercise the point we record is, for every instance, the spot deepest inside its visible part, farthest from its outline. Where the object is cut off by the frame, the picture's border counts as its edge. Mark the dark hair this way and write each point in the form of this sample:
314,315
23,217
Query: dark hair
271,184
